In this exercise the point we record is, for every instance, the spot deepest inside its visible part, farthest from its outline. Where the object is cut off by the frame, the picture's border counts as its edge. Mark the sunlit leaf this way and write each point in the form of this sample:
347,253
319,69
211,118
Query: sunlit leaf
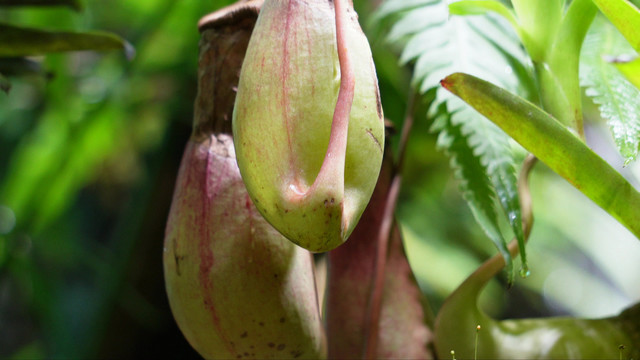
553,144
16,41
440,43
617,98
74,4
631,70
412,22
625,16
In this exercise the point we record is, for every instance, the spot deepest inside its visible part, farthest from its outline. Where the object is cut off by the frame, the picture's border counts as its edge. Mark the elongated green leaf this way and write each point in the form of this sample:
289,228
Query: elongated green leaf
5,84
631,70
617,99
16,41
481,7
74,4
625,16
475,185
553,144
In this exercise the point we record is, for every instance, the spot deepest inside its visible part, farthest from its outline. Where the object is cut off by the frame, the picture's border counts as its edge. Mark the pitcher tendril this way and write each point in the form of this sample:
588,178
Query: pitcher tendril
333,166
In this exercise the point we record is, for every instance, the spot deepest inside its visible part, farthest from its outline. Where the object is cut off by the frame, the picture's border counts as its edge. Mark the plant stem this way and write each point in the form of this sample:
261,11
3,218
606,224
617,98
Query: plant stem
557,72
475,352
539,21
406,130
375,302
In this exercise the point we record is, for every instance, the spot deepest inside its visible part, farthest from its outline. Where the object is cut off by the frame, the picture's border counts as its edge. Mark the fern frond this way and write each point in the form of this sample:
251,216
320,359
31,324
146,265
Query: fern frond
617,99
471,172
396,7
484,46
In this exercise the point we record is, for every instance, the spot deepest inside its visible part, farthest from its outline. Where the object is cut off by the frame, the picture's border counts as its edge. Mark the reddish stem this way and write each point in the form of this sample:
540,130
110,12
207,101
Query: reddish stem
406,130
375,303
384,234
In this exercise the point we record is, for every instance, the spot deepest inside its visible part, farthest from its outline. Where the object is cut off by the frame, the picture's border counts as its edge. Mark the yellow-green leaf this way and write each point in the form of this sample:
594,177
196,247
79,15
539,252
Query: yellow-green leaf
553,144
625,16
631,70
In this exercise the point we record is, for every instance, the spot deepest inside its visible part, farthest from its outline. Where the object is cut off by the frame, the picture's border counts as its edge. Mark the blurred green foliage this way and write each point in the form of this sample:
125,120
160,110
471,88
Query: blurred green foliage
87,162
89,151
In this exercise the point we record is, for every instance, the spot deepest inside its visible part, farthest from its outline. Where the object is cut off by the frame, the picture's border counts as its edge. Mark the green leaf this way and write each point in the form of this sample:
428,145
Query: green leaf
5,84
553,144
625,16
481,7
16,42
630,69
617,99
475,184
74,4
